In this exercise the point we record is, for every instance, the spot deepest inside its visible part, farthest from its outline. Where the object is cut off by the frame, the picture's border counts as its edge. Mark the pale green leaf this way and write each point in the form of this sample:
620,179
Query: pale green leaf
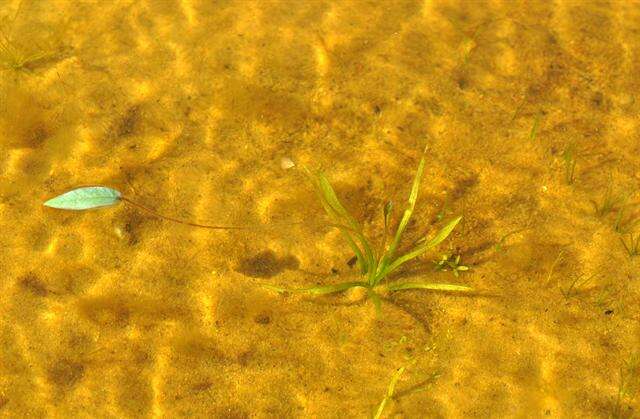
85,198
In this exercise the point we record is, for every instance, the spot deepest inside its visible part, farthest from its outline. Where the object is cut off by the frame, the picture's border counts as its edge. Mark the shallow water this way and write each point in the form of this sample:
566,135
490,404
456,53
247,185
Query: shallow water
188,107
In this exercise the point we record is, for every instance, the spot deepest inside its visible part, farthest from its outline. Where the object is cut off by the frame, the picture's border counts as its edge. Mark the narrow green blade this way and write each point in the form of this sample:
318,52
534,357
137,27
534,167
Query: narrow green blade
329,199
390,391
442,234
415,187
413,197
428,286
85,198
534,129
318,290
406,216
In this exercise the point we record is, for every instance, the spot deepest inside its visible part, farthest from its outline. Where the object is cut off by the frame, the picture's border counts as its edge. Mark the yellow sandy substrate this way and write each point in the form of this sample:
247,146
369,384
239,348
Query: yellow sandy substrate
189,106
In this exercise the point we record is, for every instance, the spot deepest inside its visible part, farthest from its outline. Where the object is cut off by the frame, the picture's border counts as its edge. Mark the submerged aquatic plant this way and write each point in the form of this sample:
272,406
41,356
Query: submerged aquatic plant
553,266
578,282
499,246
91,197
375,266
88,197
391,388
632,245
449,262
534,129
569,158
15,58
390,391
625,224
609,201
628,385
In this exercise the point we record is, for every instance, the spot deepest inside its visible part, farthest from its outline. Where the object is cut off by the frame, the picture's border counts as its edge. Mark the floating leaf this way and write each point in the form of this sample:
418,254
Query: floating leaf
85,198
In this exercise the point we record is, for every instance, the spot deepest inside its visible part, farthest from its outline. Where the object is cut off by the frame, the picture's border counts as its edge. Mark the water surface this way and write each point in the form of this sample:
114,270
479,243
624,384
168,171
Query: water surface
189,106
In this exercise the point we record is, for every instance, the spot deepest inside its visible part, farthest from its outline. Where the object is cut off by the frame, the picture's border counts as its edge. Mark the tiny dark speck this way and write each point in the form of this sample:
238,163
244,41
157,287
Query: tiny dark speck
608,312
351,262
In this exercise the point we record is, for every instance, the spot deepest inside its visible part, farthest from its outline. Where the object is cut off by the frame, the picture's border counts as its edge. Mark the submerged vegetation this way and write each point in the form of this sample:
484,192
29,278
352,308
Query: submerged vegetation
201,111
628,386
609,202
428,378
569,158
576,285
17,59
501,243
390,391
376,265
625,223
632,244
534,129
451,263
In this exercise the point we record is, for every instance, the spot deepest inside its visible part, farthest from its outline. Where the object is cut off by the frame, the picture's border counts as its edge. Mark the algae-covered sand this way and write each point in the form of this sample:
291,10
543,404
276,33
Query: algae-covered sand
530,115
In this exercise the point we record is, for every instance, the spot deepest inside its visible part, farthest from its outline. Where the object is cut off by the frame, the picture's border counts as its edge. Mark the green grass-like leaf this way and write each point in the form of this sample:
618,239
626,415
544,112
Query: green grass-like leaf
406,216
609,201
390,391
569,157
632,244
321,289
534,129
16,58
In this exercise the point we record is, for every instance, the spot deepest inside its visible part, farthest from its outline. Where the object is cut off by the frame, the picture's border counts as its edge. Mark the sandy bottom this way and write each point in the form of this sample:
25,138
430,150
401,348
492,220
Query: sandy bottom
530,112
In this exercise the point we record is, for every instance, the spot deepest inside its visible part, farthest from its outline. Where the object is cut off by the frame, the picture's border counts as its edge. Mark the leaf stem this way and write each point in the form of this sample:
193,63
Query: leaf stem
177,220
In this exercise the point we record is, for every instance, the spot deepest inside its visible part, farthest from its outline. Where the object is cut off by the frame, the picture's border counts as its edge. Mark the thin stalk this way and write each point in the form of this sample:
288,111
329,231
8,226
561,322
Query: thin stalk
553,266
177,220
320,289
569,163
